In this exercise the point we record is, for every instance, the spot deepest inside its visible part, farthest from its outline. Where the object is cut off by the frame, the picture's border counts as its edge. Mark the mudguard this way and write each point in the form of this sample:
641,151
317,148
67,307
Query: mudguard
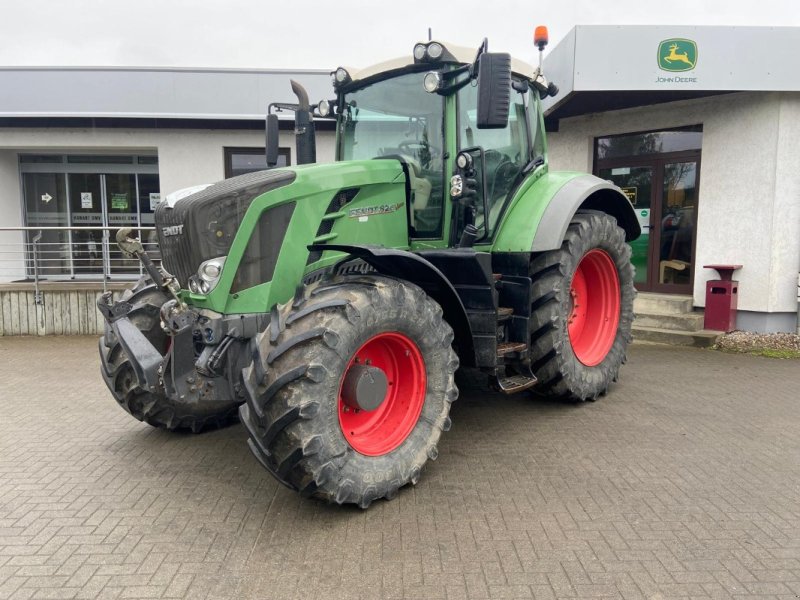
416,269
538,219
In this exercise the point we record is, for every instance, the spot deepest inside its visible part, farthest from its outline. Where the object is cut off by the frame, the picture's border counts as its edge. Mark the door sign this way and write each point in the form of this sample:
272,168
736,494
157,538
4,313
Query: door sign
155,200
86,199
119,201
630,193
643,216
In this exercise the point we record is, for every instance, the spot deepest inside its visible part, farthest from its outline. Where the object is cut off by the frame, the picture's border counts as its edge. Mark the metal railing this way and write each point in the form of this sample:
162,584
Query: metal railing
40,254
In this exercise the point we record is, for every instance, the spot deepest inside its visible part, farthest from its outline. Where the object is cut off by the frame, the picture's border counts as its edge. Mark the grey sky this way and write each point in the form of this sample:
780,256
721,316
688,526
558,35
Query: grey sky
264,34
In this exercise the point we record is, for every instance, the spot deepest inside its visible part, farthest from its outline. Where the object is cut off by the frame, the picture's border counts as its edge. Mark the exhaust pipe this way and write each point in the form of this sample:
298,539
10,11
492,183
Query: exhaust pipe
305,140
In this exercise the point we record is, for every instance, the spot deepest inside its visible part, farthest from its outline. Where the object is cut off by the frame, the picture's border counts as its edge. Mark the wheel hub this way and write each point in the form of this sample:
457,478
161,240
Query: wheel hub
595,307
364,387
382,393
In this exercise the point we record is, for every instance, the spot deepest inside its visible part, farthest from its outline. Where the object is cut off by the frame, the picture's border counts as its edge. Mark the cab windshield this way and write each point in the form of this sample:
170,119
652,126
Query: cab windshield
397,118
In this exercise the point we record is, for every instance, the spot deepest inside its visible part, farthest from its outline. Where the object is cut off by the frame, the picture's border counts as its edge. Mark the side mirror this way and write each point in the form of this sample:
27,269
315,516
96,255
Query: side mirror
494,90
272,140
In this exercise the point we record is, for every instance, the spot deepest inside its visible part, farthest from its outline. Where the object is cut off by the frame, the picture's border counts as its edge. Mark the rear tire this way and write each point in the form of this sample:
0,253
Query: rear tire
155,409
303,431
582,309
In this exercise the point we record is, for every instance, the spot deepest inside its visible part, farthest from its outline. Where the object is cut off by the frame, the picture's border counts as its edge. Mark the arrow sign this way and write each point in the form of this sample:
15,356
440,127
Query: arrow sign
46,197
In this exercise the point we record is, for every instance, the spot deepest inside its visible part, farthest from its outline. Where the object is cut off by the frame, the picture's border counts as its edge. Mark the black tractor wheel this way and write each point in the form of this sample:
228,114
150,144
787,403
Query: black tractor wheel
154,409
582,309
350,389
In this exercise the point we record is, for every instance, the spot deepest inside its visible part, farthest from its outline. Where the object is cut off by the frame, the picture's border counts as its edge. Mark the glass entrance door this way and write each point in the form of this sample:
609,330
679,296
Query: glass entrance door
86,210
676,223
121,210
658,172
663,193
637,184
101,200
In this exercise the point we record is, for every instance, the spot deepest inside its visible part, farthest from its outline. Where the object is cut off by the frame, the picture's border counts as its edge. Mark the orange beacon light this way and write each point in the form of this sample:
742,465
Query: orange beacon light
540,37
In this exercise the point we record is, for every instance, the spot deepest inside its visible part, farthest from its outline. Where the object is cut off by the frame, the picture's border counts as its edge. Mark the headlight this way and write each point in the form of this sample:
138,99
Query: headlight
324,108
207,275
340,76
456,186
211,270
431,52
464,161
435,50
431,82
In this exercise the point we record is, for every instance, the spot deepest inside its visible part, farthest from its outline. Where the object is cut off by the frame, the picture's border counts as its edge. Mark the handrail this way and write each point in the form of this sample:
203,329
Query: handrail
37,296
76,252
77,228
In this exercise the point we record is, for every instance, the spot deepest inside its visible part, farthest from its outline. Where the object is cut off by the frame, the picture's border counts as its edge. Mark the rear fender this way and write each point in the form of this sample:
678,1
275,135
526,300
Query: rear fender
538,220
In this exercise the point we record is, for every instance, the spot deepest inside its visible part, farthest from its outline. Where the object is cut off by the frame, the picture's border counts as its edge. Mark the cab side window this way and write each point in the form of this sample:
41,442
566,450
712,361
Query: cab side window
506,151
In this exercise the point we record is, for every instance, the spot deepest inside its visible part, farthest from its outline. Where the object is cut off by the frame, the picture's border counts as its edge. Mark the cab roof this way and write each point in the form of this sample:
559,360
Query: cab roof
462,54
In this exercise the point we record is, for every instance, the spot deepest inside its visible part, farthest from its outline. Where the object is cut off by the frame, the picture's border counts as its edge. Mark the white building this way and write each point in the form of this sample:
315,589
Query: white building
697,125
98,147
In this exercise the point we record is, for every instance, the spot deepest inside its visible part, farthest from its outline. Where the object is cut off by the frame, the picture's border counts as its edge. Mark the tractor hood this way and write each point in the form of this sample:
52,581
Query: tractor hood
262,224
202,226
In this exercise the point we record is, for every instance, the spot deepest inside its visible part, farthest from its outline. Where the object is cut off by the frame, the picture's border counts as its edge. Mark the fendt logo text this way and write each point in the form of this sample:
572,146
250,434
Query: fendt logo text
172,230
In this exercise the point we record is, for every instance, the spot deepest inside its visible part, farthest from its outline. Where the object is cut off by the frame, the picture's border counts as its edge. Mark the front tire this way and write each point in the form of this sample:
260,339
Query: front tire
155,409
582,309
303,424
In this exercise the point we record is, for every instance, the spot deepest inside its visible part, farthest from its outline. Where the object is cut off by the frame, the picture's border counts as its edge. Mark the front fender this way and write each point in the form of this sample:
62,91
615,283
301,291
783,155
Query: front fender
419,271
539,217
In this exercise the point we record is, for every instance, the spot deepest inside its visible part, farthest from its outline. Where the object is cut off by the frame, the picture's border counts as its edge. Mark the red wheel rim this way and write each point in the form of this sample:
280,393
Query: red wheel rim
594,316
377,432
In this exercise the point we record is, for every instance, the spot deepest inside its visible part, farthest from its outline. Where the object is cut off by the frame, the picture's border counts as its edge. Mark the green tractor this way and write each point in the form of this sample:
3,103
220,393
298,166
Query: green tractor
330,305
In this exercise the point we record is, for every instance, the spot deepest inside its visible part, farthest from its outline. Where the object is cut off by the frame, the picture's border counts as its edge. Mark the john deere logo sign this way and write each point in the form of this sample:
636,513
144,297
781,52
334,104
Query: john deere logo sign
677,55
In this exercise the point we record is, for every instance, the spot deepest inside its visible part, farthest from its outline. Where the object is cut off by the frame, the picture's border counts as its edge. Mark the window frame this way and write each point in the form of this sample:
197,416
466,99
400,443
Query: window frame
527,99
445,177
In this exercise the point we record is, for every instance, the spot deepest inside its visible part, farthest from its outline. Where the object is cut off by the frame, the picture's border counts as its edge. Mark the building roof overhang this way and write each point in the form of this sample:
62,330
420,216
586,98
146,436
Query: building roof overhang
152,93
602,67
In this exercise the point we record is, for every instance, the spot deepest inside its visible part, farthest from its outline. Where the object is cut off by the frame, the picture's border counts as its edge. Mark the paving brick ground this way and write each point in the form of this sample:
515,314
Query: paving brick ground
683,482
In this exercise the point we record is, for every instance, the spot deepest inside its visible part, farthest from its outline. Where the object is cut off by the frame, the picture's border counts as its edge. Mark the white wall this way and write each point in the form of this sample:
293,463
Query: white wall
11,259
786,215
185,157
749,195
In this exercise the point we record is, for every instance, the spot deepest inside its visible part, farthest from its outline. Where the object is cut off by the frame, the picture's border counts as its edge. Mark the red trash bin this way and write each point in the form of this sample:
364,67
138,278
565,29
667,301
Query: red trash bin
722,299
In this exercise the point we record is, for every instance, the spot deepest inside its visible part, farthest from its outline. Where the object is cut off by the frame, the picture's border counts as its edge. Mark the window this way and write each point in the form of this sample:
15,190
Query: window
239,161
506,151
649,143
88,191
396,118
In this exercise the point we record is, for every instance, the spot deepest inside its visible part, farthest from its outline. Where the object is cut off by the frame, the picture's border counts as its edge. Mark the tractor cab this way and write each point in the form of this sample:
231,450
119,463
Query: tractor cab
466,126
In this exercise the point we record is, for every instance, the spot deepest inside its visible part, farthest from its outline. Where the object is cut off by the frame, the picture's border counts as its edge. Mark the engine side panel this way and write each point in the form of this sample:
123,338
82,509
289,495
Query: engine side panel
374,214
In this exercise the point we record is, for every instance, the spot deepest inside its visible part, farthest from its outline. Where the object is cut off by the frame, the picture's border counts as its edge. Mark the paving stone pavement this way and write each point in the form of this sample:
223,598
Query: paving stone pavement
684,482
